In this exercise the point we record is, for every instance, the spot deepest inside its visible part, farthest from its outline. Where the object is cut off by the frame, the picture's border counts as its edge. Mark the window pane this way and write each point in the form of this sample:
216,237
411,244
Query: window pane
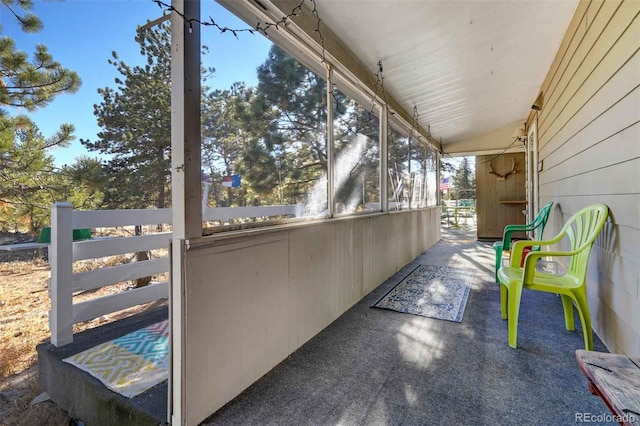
423,175
417,179
432,179
357,156
399,176
265,144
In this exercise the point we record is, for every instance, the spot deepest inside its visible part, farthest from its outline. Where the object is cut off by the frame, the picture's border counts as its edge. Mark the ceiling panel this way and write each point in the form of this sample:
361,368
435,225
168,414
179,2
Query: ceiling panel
470,67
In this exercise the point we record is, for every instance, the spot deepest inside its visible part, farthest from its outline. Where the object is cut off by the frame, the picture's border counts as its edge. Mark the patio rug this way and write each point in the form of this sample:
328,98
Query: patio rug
131,364
431,291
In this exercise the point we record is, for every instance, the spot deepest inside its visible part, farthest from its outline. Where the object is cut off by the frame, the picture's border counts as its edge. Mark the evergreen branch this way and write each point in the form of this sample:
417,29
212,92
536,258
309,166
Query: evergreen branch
298,182
31,24
307,166
35,86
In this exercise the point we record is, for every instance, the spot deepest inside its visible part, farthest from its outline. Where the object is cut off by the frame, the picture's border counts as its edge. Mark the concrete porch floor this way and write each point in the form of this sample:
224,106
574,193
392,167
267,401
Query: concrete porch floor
83,396
378,367
373,366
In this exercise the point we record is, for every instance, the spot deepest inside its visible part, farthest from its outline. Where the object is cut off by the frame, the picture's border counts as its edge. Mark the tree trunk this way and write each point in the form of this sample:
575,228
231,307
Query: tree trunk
140,257
161,194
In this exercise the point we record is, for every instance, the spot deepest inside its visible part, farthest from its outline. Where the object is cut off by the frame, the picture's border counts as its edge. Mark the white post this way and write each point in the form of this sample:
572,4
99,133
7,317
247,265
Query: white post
61,285
185,184
186,165
529,167
533,137
384,160
331,202
205,199
438,177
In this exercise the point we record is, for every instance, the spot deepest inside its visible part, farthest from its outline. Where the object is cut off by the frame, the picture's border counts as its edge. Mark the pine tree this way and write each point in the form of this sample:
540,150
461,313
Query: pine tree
234,125
356,140
464,182
135,118
296,97
29,182
25,83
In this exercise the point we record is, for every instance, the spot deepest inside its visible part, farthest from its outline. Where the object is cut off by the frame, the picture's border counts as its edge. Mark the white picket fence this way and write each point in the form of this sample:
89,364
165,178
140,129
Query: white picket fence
63,252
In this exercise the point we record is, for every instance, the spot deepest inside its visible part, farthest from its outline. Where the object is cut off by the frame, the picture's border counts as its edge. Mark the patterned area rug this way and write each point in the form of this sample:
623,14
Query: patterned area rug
431,291
130,364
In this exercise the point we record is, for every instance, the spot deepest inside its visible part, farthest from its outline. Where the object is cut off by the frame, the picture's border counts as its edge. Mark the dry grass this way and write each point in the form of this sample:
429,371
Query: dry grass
24,323
24,311
24,305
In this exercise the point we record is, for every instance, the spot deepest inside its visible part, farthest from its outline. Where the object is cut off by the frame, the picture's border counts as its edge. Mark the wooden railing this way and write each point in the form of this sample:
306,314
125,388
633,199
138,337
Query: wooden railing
63,252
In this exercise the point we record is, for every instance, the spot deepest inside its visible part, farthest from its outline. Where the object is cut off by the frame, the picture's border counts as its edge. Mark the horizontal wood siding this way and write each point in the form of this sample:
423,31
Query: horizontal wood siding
589,135
254,300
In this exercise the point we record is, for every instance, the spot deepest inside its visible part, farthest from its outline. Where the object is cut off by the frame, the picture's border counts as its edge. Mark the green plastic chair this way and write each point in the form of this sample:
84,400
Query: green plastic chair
78,235
582,229
538,223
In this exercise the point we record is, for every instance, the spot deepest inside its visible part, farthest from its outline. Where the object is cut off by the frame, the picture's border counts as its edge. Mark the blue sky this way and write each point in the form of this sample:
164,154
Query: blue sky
81,34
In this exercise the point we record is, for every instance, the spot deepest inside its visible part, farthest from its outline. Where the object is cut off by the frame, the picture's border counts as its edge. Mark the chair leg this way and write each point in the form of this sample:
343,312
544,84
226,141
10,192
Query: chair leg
503,301
567,305
498,262
585,320
515,293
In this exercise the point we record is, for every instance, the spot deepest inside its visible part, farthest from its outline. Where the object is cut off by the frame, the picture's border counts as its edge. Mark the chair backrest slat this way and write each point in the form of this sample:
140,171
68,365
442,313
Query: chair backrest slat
582,229
542,218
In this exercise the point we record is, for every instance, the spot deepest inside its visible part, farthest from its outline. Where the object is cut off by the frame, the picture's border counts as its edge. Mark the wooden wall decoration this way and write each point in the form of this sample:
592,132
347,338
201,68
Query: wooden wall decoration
504,176
501,193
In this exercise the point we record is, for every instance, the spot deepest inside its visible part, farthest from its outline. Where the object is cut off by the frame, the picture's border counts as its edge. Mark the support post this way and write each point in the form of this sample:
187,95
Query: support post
205,198
528,161
438,177
331,190
532,137
185,121
61,283
185,184
384,160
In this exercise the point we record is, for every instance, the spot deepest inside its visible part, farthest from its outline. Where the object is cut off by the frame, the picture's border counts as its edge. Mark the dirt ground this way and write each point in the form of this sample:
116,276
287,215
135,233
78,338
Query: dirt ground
24,308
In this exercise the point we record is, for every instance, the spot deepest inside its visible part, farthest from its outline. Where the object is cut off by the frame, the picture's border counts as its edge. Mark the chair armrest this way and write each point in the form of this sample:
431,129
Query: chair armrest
510,229
520,225
532,258
518,247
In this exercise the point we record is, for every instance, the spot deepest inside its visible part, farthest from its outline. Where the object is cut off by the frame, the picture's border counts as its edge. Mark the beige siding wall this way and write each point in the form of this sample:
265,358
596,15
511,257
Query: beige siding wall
589,134
253,300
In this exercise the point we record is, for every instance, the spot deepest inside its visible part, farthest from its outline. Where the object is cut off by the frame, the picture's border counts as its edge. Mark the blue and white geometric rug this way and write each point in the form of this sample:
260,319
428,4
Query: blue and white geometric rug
130,364
431,291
